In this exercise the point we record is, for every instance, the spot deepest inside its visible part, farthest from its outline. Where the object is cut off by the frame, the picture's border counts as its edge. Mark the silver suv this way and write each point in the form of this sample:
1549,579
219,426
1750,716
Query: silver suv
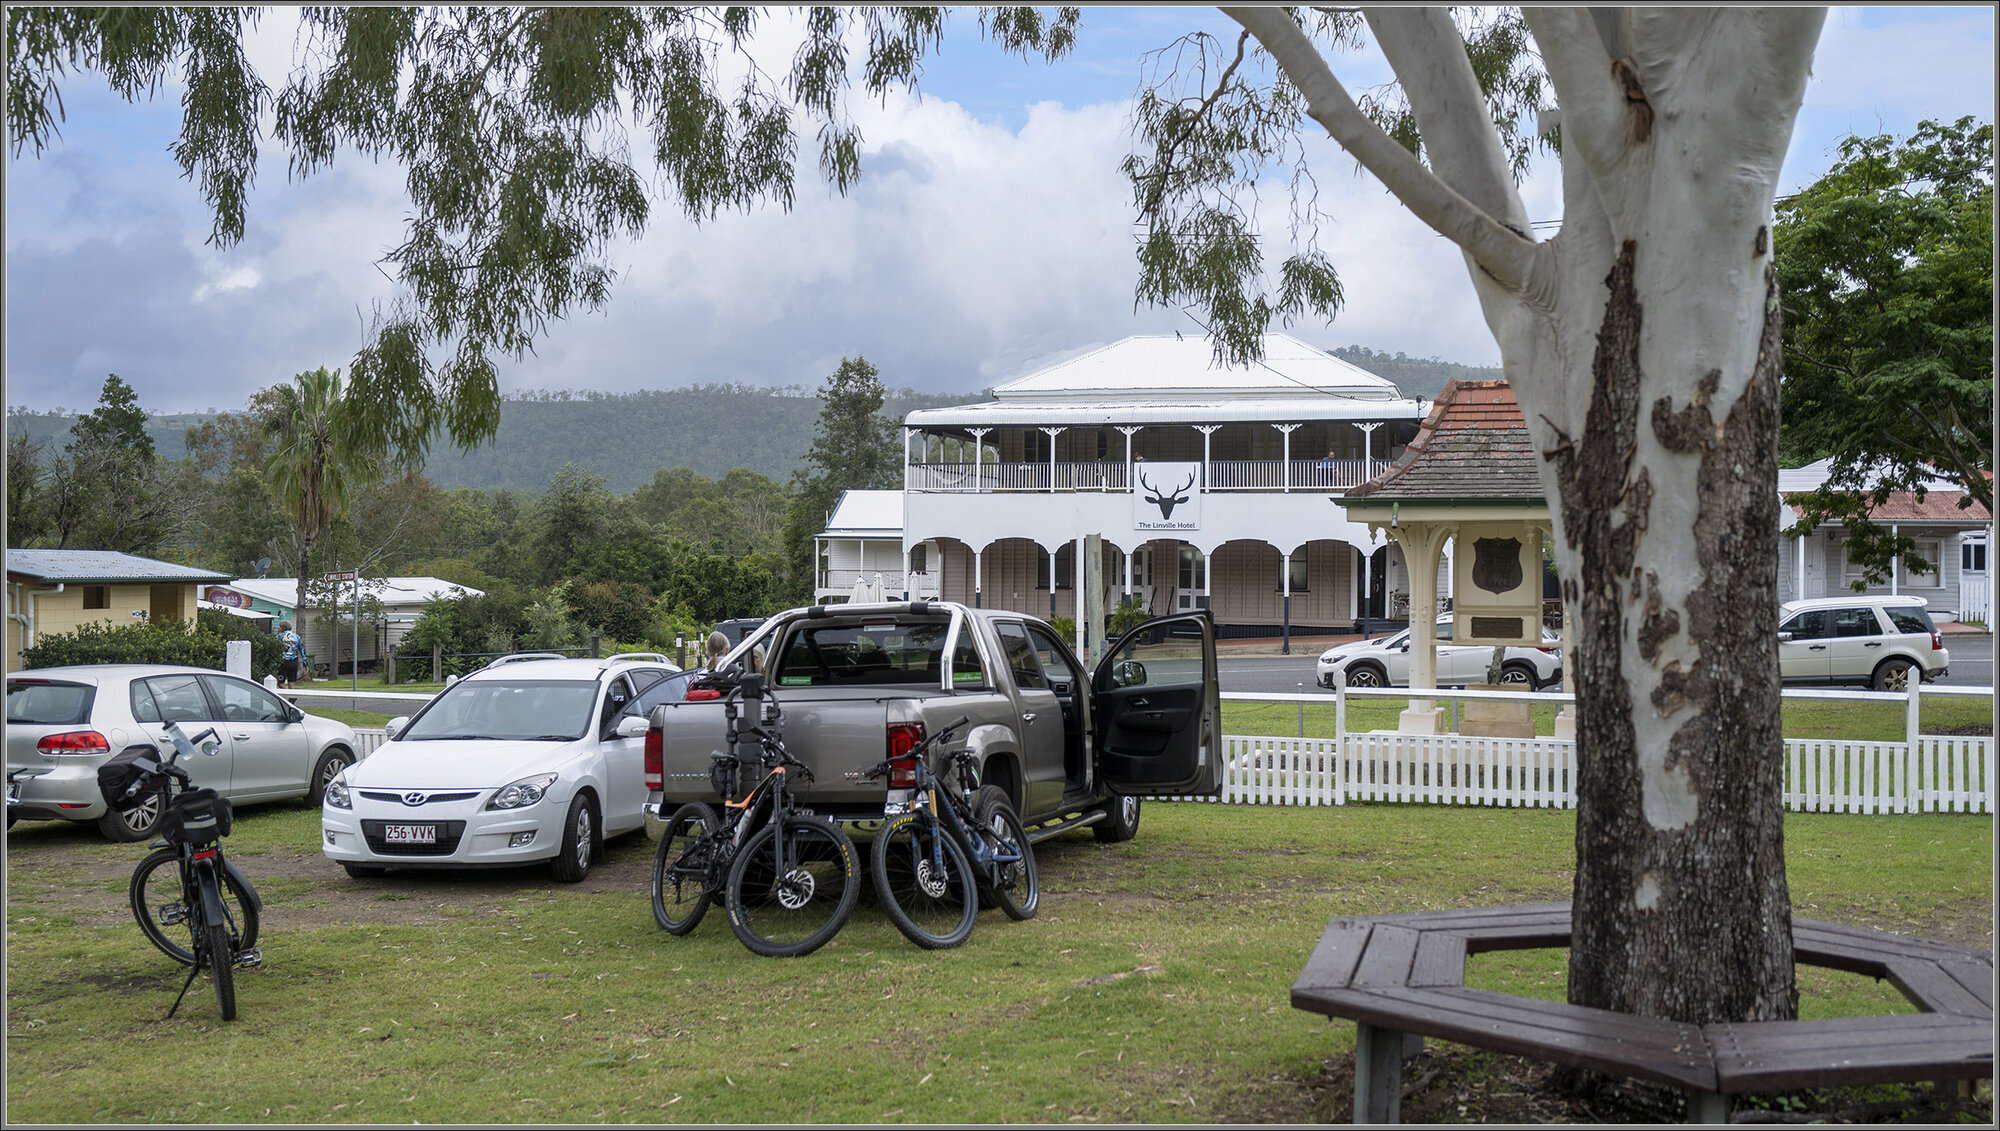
1877,641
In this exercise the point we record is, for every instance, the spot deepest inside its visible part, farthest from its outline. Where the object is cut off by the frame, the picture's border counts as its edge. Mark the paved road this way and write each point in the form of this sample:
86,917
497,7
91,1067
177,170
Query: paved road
1971,666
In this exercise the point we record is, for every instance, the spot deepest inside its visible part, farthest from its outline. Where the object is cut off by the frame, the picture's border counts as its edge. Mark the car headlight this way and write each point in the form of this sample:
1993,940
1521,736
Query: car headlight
337,796
1331,657
522,793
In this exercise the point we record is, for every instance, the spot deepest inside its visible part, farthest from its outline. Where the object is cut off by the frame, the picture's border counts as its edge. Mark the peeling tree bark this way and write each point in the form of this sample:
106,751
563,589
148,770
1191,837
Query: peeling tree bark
1642,343
1680,845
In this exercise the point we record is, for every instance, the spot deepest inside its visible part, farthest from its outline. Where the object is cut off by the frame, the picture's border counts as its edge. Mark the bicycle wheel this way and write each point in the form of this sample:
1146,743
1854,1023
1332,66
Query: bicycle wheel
924,881
1013,885
681,892
160,904
792,886
219,957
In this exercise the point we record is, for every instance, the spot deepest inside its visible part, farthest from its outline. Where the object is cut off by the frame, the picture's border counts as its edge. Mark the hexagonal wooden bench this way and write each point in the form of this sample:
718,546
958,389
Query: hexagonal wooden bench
1400,978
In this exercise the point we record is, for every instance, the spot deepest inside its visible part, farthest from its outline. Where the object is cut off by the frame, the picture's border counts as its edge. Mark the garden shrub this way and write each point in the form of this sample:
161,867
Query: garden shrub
163,642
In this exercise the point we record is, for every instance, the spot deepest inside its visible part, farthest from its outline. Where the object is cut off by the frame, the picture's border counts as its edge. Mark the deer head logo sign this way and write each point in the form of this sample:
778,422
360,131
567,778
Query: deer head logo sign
1152,496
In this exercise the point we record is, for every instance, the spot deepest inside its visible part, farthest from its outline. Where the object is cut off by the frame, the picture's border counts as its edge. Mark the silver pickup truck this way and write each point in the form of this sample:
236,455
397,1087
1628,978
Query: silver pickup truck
1070,747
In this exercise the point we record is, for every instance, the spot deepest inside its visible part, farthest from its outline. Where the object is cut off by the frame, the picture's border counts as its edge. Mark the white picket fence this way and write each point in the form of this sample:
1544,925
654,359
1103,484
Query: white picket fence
1932,774
1925,774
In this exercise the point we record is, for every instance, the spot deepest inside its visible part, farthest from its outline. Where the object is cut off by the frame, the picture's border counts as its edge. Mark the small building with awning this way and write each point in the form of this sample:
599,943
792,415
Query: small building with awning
50,592
1467,479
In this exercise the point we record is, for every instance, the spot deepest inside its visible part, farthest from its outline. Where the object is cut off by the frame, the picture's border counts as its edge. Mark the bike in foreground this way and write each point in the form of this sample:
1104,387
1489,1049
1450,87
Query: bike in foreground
787,877
190,900
947,846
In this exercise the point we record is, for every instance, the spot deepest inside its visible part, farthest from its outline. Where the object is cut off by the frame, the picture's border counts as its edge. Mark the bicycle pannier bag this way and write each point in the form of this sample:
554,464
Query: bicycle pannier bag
118,773
198,816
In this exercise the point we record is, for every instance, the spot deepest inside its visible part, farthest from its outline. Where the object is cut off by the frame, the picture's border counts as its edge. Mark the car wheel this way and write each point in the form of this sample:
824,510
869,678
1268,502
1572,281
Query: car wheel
135,824
1121,821
1895,675
1519,674
364,871
331,763
1365,675
579,842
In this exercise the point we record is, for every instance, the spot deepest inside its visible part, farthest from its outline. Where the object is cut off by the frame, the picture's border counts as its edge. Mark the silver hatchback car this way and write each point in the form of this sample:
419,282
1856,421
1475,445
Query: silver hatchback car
63,723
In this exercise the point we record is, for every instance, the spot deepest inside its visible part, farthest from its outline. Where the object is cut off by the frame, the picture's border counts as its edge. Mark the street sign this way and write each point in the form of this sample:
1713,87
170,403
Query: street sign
344,575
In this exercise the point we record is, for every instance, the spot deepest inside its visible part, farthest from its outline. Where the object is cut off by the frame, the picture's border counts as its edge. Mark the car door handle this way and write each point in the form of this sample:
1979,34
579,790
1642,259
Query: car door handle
1818,648
1027,716
244,737
1141,703
1874,644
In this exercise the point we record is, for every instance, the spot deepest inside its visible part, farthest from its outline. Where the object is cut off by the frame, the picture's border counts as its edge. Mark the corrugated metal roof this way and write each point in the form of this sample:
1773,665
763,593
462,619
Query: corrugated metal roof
860,513
100,567
1174,379
392,591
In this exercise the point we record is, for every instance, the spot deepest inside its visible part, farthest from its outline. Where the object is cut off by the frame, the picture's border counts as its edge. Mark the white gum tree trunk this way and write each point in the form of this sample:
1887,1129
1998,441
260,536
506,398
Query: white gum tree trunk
1642,343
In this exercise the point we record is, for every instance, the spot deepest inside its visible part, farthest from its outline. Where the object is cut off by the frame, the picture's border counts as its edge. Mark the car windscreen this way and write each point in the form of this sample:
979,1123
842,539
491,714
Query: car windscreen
39,702
553,710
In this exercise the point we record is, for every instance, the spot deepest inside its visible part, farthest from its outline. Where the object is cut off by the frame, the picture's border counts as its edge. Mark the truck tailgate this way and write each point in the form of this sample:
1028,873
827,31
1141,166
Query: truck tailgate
839,732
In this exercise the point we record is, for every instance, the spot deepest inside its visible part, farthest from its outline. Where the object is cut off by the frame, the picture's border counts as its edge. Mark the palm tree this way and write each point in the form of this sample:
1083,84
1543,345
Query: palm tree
318,453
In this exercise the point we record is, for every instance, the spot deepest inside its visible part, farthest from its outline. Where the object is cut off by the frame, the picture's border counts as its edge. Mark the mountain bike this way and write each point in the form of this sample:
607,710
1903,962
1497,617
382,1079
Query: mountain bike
191,902
786,876
946,847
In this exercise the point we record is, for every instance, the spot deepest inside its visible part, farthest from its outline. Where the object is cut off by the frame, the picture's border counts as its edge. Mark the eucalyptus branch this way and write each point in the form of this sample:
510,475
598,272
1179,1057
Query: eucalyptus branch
1513,260
1165,162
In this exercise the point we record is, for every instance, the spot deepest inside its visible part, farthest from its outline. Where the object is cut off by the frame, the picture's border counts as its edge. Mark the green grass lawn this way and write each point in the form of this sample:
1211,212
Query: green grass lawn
1153,986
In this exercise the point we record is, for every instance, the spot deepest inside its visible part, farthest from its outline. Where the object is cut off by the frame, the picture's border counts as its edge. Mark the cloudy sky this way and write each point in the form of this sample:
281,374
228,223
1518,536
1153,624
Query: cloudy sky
991,233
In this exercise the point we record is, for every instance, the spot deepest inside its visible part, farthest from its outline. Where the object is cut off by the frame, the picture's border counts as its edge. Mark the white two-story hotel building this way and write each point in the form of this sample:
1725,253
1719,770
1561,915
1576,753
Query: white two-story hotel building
1208,486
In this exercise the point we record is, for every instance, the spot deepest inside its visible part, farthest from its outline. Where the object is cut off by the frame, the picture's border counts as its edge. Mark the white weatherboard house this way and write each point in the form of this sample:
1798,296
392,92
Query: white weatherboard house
1208,485
1954,539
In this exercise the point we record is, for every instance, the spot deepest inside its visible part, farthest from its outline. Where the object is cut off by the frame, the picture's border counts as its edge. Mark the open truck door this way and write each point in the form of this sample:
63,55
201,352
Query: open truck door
1156,709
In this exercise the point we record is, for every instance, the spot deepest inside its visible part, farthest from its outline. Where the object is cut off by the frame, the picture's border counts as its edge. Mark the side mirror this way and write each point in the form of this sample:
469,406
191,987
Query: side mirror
1406,646
1784,638
395,726
1129,673
633,726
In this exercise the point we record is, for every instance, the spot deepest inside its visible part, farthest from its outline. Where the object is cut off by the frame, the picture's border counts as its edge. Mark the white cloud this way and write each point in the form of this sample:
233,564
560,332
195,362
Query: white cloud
991,232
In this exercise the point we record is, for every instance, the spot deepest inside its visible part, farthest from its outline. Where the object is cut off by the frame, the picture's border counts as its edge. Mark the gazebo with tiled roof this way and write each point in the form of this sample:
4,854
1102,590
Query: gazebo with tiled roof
1469,476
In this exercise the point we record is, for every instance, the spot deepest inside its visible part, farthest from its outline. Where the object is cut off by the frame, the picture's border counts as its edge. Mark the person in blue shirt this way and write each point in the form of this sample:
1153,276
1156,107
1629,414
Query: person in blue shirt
293,666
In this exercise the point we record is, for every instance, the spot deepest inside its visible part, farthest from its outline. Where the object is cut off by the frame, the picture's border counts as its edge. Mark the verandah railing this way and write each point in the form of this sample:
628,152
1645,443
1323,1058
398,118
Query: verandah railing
1222,475
1921,774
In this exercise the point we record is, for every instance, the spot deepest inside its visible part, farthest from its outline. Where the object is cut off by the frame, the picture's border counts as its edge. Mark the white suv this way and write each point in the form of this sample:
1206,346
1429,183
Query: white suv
526,760
1878,641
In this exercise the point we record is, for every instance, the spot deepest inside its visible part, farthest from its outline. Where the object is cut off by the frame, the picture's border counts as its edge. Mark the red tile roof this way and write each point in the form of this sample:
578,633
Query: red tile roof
1473,445
1936,507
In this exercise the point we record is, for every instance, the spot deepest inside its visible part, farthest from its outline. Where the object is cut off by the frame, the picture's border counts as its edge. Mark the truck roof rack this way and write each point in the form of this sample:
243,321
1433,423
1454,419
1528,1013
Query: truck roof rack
518,657
633,657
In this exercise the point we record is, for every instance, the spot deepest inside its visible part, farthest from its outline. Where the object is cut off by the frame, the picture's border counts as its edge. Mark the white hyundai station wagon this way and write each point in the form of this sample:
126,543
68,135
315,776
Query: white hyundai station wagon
528,760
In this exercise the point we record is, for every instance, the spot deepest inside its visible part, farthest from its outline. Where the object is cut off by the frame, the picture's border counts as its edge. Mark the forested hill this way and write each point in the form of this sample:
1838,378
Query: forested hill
626,437
1417,377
